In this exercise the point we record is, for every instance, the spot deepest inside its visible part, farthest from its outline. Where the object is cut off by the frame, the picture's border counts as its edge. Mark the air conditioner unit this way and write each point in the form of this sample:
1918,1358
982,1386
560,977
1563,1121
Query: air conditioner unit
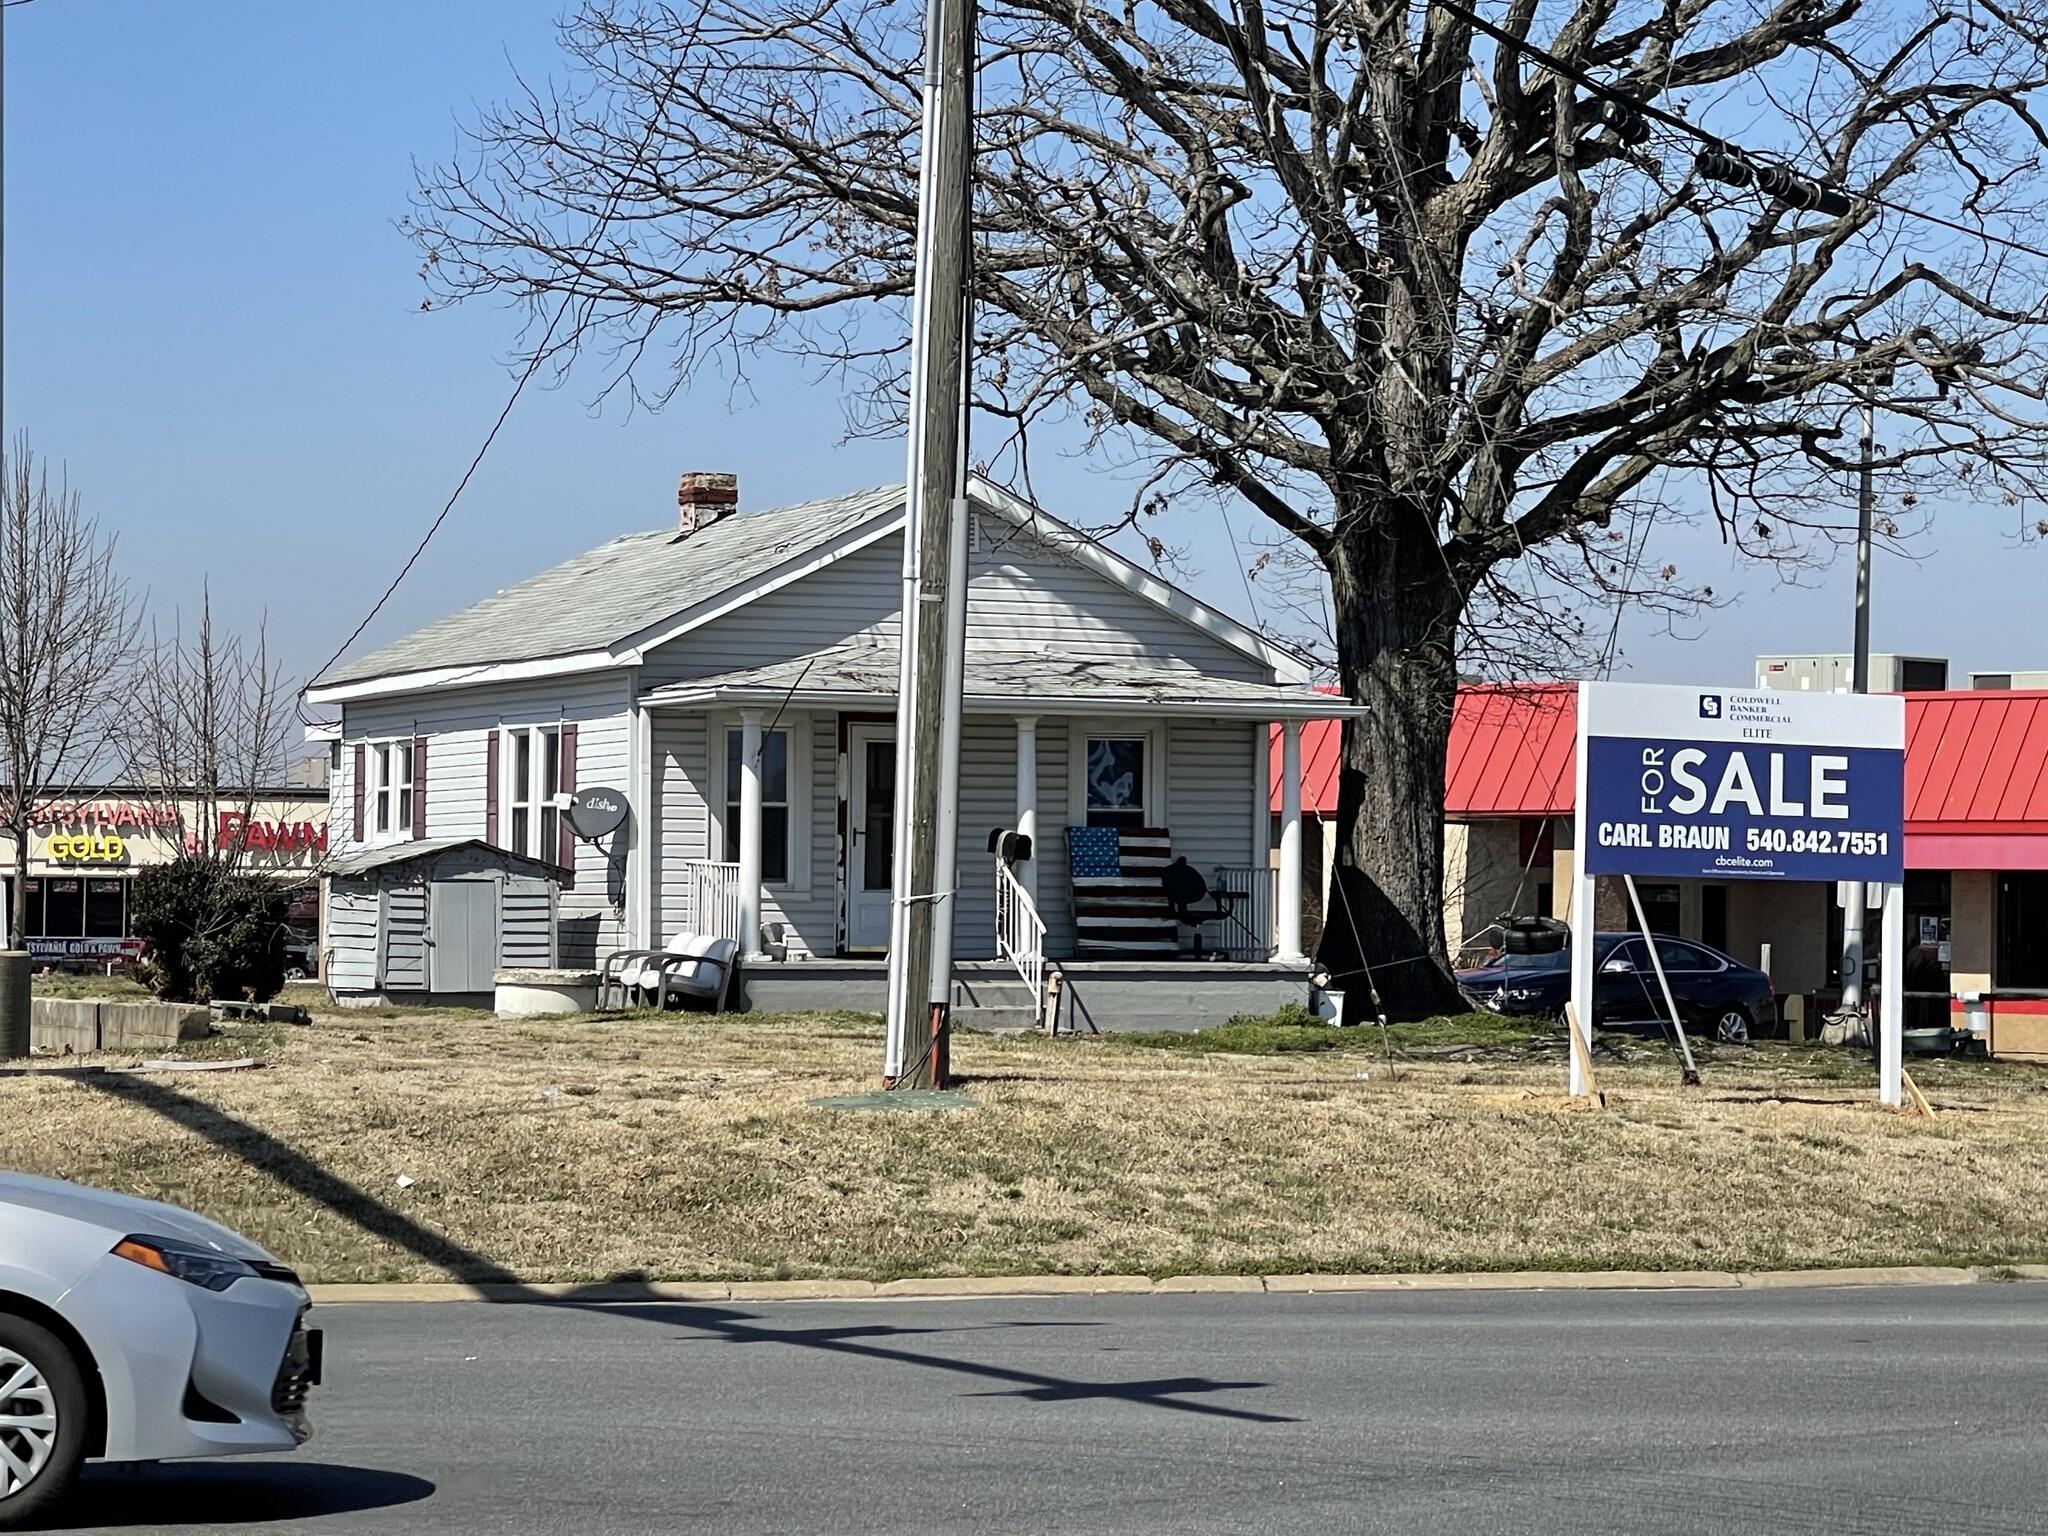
1835,673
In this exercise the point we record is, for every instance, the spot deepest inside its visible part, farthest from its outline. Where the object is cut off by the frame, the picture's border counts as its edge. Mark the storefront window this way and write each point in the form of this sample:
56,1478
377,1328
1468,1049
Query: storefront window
1660,906
2022,931
105,909
64,908
32,919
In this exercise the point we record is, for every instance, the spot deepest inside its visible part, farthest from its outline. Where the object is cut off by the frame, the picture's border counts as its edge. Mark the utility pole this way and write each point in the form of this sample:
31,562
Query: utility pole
934,567
16,1025
1853,897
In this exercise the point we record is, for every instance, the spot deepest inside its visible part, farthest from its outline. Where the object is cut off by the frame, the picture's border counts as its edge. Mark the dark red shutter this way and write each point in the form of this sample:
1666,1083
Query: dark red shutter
568,852
362,770
419,786
491,788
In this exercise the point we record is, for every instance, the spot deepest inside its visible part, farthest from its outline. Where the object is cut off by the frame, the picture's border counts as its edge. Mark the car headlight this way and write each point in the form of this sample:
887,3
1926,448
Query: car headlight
185,1261
1519,994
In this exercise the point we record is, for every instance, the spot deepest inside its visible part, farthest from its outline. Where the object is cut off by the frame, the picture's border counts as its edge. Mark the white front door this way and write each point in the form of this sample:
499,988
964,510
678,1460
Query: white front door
870,833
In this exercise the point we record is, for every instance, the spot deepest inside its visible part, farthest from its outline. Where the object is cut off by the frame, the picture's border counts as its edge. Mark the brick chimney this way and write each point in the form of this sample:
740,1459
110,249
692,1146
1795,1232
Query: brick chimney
703,498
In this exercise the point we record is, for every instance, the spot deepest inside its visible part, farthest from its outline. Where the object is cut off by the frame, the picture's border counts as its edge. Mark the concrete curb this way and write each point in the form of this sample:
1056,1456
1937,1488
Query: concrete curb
967,1287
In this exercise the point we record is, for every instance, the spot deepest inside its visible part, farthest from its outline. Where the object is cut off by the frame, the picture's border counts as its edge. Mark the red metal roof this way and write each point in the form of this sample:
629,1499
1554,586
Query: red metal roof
1511,753
1976,761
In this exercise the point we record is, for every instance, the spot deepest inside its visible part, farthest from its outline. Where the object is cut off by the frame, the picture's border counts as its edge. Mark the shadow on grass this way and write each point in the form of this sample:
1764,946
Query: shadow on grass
299,1173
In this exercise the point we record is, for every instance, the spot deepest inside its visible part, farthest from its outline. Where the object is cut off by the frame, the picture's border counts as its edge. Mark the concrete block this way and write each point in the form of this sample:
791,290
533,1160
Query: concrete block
530,994
150,1026
65,1026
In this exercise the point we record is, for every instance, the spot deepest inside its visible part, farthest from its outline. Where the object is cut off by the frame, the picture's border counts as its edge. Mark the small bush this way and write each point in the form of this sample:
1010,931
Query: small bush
212,931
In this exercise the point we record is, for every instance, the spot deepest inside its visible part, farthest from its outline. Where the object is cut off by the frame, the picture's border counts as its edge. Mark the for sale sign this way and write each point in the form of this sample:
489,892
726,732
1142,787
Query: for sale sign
1725,784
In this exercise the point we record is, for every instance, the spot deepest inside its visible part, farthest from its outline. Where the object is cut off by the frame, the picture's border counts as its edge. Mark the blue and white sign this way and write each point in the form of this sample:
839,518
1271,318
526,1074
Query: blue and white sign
1727,784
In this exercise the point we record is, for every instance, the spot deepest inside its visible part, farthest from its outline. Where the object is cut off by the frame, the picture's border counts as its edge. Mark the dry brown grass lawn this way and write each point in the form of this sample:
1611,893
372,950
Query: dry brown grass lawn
689,1148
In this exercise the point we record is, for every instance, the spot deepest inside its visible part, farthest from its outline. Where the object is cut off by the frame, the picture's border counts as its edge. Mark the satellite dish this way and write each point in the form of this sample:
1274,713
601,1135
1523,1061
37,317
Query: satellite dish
597,813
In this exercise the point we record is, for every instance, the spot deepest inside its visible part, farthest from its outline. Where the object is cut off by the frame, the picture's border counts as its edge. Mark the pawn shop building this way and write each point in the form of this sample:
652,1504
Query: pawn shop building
86,849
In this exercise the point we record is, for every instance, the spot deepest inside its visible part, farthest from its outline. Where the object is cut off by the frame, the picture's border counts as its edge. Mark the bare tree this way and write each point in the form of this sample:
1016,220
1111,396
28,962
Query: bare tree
1454,324
67,639
212,728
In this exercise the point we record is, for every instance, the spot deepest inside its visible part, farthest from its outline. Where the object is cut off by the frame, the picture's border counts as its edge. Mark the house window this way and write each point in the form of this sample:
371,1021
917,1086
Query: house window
390,766
533,778
2022,931
774,803
1116,781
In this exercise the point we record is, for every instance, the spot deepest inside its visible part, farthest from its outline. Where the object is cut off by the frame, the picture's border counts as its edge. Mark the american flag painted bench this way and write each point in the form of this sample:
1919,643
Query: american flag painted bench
1120,905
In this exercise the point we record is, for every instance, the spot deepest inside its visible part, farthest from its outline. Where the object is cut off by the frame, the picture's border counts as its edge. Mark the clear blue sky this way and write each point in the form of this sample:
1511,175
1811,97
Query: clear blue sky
212,320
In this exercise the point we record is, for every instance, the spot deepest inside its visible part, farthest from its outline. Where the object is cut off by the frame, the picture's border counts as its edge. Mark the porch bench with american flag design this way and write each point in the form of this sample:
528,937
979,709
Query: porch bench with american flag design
1120,905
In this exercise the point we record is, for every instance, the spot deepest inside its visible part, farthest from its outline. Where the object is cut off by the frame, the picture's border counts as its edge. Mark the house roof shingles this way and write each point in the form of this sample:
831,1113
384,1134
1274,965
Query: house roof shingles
1003,681
604,595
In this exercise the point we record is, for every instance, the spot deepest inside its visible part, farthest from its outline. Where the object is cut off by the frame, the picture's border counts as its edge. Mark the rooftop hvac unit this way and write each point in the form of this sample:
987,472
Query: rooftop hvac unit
2001,680
1836,673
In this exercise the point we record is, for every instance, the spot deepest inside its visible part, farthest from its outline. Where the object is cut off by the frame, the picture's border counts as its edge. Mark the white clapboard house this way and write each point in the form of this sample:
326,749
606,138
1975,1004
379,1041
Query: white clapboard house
734,678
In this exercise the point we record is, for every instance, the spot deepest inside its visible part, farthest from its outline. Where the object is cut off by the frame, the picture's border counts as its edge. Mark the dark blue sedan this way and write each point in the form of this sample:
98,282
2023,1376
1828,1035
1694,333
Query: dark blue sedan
1717,997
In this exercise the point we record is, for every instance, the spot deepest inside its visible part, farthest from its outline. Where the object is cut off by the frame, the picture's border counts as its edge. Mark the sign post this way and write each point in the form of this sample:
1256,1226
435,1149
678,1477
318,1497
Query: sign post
1691,783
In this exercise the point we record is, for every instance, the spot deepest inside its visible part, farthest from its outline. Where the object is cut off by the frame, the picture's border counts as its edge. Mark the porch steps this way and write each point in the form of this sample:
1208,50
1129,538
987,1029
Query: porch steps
994,1005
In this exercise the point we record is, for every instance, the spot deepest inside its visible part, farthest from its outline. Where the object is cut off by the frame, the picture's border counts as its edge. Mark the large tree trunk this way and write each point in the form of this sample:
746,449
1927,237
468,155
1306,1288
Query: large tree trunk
1396,610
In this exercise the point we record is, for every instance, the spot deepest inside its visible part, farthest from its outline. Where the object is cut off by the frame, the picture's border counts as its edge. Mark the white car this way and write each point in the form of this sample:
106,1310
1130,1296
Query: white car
134,1331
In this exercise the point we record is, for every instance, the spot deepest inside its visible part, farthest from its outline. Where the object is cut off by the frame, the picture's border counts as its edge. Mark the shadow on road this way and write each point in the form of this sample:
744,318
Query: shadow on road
732,1326
208,1495
297,1172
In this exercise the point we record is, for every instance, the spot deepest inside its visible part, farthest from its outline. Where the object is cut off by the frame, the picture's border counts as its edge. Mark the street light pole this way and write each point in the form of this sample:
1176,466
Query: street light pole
1853,897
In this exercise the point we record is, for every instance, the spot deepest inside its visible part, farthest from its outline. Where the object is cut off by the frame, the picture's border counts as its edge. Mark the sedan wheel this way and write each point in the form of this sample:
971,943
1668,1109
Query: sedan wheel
42,1420
1732,1028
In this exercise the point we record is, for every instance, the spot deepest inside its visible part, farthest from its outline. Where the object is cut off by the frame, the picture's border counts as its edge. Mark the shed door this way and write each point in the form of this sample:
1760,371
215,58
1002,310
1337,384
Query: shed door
465,929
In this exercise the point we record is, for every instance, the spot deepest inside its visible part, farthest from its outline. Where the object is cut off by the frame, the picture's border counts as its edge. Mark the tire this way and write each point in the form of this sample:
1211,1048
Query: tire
1731,1025
44,1416
295,973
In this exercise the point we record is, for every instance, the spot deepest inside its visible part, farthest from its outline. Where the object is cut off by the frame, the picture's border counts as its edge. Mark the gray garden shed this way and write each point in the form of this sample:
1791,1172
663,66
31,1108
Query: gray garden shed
429,921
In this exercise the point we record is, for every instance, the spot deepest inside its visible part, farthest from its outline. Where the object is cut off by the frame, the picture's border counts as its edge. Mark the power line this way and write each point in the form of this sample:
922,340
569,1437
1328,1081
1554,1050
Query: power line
541,353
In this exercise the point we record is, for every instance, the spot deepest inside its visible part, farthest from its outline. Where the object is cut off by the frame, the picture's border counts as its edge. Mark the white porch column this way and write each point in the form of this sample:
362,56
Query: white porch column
1287,921
639,837
750,833
1027,799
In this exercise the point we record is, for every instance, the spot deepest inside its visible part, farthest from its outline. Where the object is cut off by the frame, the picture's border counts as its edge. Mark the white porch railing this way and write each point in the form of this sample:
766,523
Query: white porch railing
1247,933
1020,935
711,899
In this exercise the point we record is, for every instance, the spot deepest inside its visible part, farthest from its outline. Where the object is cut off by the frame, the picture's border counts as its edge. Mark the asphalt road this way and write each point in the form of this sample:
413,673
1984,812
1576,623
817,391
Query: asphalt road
1842,1411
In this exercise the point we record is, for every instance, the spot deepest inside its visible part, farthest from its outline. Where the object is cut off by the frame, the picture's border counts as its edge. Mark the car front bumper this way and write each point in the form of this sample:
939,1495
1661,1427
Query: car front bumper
193,1372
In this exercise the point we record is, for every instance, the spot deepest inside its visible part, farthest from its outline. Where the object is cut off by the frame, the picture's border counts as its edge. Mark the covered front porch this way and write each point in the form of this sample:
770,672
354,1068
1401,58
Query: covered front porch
772,793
